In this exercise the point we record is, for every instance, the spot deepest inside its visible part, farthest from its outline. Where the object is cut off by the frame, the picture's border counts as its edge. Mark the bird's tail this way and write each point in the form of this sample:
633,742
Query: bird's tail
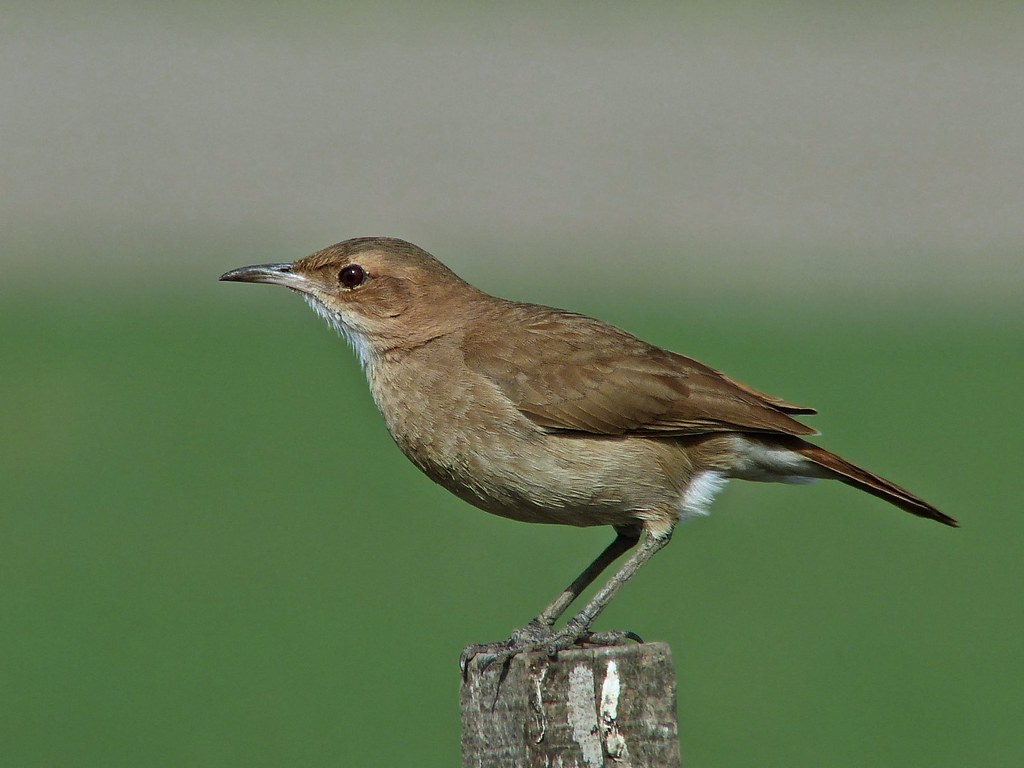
851,474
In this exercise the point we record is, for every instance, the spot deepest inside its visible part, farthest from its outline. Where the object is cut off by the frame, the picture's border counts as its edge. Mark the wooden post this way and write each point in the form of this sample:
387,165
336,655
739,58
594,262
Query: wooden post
589,708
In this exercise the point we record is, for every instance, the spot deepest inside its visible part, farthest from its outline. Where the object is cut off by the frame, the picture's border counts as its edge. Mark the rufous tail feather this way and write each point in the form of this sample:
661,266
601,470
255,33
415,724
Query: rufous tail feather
860,478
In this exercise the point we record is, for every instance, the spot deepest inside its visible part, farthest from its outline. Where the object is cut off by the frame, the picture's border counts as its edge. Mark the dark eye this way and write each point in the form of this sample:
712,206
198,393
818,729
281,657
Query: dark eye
352,276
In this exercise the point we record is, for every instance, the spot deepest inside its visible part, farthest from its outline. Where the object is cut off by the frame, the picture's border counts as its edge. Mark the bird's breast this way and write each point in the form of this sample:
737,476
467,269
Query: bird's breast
465,434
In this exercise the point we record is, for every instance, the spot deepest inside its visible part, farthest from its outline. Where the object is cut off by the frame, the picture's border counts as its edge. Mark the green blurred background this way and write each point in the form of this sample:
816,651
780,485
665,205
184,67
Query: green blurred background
211,554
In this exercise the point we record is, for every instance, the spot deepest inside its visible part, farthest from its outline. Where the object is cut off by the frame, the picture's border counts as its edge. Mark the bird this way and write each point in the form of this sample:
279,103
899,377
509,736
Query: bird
543,415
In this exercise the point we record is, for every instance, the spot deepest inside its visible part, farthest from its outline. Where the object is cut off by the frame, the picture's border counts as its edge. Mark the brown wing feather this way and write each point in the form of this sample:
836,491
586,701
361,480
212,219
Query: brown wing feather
584,375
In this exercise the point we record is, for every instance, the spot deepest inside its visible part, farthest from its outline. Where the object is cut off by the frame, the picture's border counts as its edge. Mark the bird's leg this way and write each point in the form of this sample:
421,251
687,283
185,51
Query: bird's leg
537,635
578,628
538,631
626,539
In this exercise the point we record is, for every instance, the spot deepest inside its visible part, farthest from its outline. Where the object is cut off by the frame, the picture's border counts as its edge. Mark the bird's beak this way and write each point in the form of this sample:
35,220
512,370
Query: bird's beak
276,274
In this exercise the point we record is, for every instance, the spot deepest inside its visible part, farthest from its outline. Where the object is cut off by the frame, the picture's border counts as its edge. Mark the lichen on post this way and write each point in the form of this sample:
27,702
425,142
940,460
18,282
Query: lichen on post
590,707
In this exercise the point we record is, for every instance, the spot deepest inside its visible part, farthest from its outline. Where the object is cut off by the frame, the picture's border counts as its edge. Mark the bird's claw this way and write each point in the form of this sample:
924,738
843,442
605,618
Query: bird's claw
613,638
537,636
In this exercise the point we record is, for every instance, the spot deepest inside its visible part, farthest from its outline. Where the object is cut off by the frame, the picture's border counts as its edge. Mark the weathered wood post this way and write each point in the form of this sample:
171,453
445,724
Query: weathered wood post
590,707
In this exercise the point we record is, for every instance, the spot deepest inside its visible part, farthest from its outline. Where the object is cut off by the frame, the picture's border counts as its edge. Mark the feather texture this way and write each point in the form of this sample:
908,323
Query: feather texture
567,372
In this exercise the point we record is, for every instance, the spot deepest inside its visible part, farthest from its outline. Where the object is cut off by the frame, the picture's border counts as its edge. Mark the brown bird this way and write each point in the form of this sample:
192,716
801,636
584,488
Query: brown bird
546,416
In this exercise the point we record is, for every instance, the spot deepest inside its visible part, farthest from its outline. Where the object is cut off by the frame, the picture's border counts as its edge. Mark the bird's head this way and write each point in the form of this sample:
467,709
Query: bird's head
380,293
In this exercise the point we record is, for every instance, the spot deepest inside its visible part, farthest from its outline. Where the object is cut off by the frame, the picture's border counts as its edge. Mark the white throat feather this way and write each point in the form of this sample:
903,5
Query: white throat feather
355,339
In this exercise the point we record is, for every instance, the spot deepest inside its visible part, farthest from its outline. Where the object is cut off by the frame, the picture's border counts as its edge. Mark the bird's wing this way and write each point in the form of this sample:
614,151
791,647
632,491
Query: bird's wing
569,372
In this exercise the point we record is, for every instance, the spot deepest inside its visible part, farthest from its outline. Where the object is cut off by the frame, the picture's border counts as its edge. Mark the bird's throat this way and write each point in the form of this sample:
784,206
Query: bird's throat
363,349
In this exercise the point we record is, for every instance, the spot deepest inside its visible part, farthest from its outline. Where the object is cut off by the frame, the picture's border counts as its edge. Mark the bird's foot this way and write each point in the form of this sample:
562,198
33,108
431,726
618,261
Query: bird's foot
540,636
